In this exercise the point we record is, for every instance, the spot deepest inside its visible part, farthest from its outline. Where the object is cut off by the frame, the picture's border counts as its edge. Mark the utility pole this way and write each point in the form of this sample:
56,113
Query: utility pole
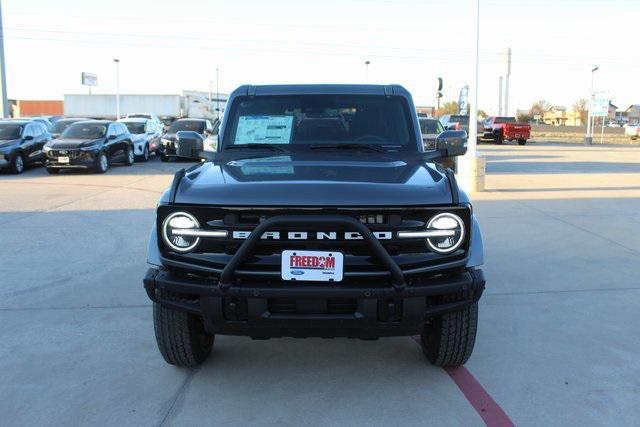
506,83
4,104
117,62
217,95
500,96
588,138
366,64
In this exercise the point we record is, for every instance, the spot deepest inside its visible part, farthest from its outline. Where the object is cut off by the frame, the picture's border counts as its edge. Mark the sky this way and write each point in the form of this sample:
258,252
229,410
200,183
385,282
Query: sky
167,46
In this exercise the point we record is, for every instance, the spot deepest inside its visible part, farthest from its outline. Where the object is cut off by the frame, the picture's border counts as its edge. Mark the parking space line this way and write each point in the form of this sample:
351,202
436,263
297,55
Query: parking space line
490,412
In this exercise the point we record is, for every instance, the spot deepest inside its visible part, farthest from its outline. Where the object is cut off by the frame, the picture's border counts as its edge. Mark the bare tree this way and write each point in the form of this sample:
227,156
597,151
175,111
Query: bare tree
450,107
581,106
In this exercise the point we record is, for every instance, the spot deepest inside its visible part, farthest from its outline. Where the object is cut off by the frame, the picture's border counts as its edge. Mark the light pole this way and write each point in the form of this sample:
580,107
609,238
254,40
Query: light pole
588,137
471,166
5,111
117,62
217,94
366,64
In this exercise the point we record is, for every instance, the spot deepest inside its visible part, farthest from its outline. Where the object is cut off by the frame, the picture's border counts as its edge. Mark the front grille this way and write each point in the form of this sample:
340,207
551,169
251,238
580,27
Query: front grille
408,253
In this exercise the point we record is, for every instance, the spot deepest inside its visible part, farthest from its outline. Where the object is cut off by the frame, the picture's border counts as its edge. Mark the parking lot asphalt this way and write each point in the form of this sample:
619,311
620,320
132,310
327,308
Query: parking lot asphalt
558,334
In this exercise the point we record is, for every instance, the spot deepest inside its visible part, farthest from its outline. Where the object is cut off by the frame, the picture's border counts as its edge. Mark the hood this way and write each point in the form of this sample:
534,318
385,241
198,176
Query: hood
285,180
68,143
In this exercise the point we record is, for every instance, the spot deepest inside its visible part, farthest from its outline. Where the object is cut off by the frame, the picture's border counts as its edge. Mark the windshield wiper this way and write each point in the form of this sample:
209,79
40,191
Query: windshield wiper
371,147
256,146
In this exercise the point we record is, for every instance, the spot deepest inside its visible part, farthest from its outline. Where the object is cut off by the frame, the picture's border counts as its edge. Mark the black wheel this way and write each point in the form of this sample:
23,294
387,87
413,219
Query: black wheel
522,141
448,339
17,165
129,157
53,171
498,138
181,337
102,163
164,158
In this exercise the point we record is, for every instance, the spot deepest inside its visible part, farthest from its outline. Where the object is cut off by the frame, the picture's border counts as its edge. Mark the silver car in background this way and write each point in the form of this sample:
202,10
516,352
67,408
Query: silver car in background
145,135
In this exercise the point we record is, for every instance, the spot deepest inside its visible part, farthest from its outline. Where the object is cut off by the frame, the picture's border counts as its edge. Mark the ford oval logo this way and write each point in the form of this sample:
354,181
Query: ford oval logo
297,272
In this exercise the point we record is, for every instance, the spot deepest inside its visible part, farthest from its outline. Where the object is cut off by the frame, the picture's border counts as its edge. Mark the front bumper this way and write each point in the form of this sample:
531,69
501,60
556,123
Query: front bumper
300,310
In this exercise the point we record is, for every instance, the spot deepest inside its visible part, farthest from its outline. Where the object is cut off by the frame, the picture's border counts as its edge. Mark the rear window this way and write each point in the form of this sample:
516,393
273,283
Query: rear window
134,127
10,131
463,120
311,119
193,125
505,120
60,126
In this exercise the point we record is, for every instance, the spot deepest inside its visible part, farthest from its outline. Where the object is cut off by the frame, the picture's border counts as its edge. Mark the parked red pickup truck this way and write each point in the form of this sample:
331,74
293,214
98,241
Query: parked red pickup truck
501,129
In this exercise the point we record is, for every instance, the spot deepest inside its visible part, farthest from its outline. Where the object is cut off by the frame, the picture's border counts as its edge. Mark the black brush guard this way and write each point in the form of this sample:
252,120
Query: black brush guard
225,282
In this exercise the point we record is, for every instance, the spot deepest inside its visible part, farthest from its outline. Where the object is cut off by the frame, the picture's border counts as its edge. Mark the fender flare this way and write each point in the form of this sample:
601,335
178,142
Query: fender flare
476,248
153,252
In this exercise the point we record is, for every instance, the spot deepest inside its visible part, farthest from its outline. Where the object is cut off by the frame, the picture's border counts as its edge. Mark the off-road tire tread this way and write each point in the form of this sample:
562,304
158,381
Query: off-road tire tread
457,336
173,330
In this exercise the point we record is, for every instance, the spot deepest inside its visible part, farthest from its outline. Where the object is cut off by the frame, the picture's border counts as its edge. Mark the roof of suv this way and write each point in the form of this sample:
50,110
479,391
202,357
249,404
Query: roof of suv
321,89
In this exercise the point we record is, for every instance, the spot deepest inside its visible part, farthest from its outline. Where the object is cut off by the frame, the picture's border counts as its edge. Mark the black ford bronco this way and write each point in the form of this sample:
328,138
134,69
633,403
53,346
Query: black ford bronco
319,214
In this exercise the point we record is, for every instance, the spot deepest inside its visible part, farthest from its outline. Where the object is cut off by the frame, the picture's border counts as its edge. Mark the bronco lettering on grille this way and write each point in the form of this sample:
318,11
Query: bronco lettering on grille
319,235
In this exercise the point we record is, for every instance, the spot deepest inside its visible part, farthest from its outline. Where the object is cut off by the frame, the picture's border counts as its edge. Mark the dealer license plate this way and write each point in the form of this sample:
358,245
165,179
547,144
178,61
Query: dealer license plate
63,159
315,266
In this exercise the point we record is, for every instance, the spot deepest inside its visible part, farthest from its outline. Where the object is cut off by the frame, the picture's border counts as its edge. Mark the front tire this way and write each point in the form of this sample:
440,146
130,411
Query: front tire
181,337
164,158
17,165
498,138
129,157
53,171
522,141
448,339
145,154
102,163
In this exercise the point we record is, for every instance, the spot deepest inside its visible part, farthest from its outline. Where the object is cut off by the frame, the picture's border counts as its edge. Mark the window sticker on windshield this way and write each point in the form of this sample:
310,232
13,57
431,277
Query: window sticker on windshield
264,130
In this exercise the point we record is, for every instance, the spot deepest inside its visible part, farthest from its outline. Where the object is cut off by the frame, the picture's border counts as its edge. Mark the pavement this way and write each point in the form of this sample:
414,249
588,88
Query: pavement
558,334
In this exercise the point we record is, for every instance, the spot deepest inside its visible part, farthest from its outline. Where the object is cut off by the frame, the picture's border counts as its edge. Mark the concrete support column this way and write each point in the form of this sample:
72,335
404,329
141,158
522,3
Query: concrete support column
471,173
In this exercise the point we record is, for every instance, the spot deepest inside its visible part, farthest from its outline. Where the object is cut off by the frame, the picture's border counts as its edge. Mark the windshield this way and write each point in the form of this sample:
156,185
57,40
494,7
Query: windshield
60,126
194,125
505,120
10,131
430,126
320,119
463,120
135,127
85,131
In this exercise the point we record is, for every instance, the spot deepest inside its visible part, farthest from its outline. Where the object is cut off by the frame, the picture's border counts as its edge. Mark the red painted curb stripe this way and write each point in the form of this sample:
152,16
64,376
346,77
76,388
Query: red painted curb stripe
490,412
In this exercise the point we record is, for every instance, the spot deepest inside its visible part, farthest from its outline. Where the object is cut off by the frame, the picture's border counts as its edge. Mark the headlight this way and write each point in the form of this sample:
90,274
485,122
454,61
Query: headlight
46,148
175,231
93,147
452,227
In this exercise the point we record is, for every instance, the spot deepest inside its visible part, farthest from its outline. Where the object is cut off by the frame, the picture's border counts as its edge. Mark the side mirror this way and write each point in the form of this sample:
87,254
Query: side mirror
191,145
452,143
111,137
28,138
